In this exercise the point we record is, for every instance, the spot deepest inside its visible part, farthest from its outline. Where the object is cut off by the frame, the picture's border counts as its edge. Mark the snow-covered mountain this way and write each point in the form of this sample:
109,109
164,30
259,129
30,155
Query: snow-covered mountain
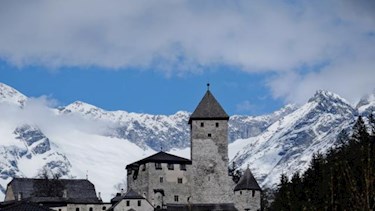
287,145
167,132
81,140
10,95
367,104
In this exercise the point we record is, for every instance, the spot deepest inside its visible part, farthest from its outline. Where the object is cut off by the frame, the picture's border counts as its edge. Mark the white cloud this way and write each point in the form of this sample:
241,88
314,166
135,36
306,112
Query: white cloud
187,36
244,106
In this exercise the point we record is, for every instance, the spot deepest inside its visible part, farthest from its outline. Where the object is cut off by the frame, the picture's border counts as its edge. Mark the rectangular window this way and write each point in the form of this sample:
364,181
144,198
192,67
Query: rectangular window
139,203
217,124
202,124
158,166
176,198
209,135
170,166
161,179
253,194
179,180
144,167
183,167
128,203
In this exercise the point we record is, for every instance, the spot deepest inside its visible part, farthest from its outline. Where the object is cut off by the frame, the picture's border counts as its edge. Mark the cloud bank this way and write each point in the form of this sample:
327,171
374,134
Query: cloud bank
305,45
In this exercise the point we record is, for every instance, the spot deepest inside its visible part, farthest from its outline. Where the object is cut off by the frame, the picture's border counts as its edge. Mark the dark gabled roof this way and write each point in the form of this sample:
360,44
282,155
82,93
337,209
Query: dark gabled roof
201,207
77,190
25,206
247,182
160,157
131,194
209,109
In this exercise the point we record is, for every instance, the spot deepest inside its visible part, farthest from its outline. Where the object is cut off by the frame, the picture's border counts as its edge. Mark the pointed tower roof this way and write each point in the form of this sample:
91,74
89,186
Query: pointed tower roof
209,109
247,182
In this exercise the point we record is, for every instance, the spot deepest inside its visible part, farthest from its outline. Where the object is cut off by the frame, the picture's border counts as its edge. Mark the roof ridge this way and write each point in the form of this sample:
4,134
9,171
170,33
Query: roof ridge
209,108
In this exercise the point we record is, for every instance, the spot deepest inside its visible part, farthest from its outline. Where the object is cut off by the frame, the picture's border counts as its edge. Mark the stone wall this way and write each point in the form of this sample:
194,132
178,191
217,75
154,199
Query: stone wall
209,154
245,199
138,180
148,180
85,207
133,204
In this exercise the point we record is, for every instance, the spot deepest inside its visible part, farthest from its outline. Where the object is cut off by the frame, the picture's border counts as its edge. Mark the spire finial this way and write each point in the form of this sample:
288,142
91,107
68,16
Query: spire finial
208,86
161,148
248,166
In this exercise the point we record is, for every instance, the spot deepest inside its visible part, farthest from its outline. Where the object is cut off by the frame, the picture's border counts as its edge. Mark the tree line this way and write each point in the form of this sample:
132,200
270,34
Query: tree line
342,179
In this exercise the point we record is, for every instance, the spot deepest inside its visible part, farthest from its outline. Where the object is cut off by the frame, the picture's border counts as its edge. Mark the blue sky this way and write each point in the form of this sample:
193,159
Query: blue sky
144,91
157,56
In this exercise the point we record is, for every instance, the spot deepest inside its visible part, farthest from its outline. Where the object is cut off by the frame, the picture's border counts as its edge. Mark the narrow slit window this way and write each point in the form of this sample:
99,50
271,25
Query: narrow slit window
217,124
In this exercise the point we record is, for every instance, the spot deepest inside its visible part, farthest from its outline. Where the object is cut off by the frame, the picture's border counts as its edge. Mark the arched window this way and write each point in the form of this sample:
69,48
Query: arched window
91,209
104,208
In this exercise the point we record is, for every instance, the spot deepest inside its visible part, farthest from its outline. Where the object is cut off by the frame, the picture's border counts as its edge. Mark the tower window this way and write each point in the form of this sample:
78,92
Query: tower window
170,166
128,203
144,167
253,194
209,135
202,124
91,209
217,124
161,179
176,198
139,203
183,167
179,180
104,208
240,192
77,209
158,166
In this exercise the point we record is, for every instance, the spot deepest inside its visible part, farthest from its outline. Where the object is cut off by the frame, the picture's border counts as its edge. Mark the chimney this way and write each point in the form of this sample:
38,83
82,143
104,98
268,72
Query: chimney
122,191
19,196
99,196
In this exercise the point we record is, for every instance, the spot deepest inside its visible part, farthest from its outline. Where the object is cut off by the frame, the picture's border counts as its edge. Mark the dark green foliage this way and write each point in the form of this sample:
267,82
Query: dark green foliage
344,179
371,120
235,172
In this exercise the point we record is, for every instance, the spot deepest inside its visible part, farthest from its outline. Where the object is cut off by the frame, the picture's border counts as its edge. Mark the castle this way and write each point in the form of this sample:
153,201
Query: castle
159,182
169,182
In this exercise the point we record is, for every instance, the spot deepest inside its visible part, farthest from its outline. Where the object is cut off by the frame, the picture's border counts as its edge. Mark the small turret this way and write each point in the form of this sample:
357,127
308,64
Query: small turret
247,192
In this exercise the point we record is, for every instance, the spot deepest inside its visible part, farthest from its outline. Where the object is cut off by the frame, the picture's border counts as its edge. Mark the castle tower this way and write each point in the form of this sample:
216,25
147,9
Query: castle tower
210,182
247,193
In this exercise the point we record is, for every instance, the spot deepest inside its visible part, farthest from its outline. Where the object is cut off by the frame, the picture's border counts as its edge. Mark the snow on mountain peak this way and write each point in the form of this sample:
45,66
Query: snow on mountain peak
11,95
366,104
322,95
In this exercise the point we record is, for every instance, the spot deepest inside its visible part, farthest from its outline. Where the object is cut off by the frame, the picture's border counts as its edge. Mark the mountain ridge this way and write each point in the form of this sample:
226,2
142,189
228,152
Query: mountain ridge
272,143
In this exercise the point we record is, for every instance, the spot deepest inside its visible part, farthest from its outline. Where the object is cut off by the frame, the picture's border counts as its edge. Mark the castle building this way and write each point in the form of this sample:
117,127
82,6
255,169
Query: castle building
52,194
170,182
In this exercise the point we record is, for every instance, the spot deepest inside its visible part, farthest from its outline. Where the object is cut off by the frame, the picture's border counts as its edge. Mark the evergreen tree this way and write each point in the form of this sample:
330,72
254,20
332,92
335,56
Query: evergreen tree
343,179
